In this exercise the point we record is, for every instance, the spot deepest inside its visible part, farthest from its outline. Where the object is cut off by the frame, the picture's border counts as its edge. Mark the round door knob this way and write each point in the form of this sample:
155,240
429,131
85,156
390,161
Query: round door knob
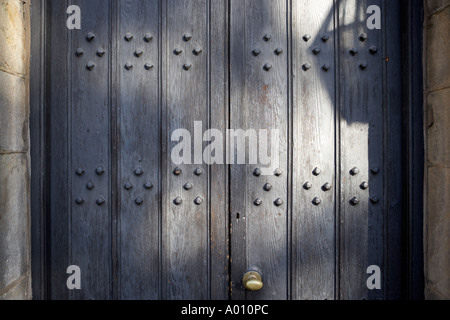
252,281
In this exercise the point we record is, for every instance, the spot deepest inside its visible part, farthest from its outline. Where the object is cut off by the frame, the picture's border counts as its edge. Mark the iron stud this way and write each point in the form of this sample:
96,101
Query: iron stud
256,52
257,172
148,37
317,172
374,200
128,186
101,52
90,66
267,37
363,37
198,201
307,186
101,201
355,201
148,185
139,172
128,36
178,201
316,201
100,170
139,201
326,67
267,66
90,36
198,51
149,66
354,171
373,50
306,66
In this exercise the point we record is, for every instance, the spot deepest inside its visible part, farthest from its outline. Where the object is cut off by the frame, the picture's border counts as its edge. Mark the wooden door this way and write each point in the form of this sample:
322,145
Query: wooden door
315,71
118,88
143,226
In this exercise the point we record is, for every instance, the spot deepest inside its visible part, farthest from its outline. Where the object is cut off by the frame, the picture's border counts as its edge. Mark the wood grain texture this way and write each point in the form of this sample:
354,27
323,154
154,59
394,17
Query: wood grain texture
140,126
334,118
314,123
186,227
58,157
259,100
89,148
362,147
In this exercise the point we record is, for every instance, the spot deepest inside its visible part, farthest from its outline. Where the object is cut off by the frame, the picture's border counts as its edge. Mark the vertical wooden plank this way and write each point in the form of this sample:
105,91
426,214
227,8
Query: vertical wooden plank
139,121
186,232
89,148
38,121
219,173
362,147
313,236
259,100
394,186
56,60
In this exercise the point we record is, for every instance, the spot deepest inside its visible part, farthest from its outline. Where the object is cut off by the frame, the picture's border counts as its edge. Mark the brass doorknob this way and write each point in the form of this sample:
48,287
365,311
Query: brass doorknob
252,281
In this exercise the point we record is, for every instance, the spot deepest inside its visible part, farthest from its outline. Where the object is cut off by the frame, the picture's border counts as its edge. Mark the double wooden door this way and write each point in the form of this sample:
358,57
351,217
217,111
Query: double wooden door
141,225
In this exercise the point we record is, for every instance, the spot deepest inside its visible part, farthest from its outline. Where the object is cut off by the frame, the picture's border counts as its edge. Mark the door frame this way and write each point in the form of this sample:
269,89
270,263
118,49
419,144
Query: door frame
412,151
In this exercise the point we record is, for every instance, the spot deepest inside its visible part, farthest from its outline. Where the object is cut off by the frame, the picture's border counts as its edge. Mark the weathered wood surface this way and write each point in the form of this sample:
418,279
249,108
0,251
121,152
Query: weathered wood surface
332,111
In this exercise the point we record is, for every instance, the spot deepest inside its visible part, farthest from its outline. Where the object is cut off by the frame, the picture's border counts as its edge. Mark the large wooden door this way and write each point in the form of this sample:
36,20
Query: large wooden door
141,225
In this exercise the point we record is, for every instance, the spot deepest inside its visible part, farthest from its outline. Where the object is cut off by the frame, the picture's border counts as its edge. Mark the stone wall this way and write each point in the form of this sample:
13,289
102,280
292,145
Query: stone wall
437,133
15,282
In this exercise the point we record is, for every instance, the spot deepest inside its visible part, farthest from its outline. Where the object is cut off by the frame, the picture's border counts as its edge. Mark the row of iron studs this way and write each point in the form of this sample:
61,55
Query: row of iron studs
148,185
101,52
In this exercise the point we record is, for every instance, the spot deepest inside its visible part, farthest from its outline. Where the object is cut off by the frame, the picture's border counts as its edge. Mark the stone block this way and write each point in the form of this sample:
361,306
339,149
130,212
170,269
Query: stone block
14,113
14,218
438,127
438,234
438,50
14,36
21,290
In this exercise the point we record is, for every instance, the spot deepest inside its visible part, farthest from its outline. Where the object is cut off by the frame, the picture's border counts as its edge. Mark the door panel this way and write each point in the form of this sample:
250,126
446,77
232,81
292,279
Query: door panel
259,101
314,144
139,134
140,225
